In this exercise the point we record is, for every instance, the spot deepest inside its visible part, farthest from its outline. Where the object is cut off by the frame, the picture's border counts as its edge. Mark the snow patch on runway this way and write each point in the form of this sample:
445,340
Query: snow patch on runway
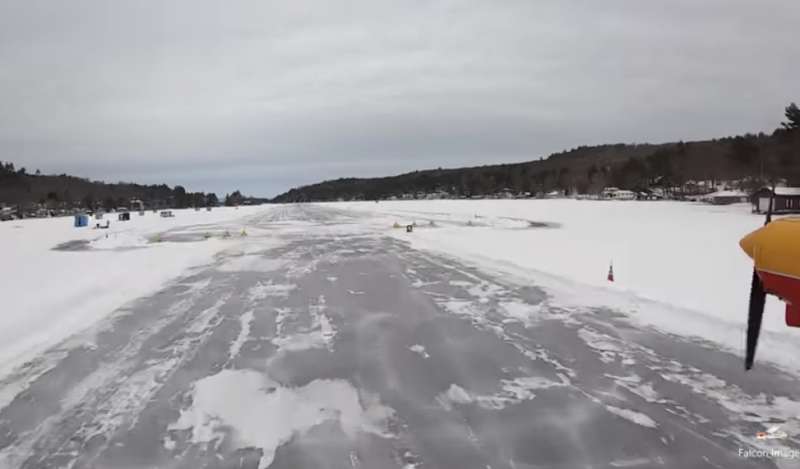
420,350
244,332
485,291
519,311
459,283
745,408
321,321
125,405
265,290
132,392
300,341
21,380
634,384
322,332
465,309
280,319
193,288
512,391
605,345
255,411
203,321
632,416
419,283
455,394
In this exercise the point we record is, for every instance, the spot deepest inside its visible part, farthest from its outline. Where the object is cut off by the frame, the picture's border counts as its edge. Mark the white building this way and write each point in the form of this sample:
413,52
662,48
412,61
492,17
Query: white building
724,197
137,205
784,200
615,193
7,213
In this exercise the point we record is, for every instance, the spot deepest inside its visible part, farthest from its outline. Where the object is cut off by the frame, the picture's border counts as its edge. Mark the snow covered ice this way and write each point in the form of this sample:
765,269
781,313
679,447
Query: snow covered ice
50,294
328,338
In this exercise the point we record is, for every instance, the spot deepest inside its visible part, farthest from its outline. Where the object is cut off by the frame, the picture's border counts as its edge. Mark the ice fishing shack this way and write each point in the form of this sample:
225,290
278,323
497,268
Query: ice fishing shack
81,220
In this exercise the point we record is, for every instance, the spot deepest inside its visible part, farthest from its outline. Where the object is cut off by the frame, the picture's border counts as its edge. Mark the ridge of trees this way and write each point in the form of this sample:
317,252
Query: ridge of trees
19,187
751,159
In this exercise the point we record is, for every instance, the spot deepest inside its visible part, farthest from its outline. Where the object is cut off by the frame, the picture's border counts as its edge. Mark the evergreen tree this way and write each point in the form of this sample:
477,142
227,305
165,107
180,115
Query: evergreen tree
792,113
181,199
233,199
744,151
592,172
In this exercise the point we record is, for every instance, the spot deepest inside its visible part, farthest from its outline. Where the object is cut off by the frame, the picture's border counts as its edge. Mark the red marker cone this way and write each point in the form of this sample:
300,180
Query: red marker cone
611,272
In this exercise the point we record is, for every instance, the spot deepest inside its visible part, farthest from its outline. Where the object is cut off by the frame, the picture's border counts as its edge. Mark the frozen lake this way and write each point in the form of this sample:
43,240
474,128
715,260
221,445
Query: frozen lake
319,336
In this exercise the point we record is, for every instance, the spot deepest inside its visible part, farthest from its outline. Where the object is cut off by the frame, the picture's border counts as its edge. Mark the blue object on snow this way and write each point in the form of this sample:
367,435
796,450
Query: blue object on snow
81,220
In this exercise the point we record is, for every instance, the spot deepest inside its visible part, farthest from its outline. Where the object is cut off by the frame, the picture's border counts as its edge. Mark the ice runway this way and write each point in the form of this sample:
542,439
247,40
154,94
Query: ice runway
319,341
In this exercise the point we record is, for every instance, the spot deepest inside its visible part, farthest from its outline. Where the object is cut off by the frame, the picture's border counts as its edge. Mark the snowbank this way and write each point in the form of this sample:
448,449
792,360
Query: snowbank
48,295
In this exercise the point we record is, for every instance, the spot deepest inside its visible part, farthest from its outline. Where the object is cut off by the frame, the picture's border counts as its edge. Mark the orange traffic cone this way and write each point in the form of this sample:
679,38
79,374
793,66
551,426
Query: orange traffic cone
611,272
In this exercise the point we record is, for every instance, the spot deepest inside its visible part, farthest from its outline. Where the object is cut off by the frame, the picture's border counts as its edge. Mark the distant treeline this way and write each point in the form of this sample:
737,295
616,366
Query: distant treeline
19,187
756,159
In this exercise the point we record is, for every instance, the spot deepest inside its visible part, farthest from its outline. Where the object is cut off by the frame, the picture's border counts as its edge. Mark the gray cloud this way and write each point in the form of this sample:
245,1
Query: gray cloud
266,95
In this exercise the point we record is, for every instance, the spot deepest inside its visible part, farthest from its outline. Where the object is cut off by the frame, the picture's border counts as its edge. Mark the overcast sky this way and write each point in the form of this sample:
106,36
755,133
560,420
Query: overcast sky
263,96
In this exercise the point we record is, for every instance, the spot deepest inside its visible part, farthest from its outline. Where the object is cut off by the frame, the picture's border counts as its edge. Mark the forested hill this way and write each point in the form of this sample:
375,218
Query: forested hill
18,187
586,170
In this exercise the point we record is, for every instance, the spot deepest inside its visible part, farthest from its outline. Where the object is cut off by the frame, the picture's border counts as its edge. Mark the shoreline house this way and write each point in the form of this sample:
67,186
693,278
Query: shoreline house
724,197
137,205
786,200
615,193
7,213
